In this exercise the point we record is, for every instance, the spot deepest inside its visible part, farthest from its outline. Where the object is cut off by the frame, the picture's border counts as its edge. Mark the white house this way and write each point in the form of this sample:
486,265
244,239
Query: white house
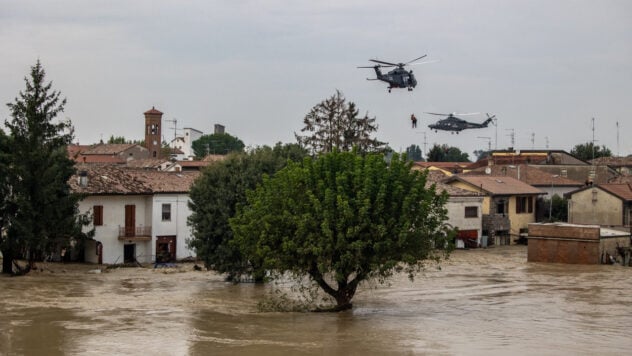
464,211
137,214
184,143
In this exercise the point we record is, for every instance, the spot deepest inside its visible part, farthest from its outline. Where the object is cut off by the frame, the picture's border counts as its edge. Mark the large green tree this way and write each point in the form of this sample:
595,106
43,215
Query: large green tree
445,153
335,123
43,210
214,198
217,143
341,219
587,151
5,190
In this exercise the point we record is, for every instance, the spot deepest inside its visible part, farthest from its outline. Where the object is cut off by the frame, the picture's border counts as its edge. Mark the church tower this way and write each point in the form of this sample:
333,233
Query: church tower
153,136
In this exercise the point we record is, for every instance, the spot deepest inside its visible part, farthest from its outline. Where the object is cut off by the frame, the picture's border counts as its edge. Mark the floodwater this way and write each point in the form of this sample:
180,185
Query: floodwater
481,302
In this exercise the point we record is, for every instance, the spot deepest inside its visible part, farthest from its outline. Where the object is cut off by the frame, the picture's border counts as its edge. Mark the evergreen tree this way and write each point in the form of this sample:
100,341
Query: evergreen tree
43,210
220,143
413,153
335,123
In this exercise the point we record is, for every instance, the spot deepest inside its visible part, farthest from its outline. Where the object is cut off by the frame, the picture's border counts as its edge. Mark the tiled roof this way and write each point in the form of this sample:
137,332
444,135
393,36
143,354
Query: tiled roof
214,158
437,178
114,180
497,185
613,161
153,111
108,148
624,178
526,173
623,191
146,163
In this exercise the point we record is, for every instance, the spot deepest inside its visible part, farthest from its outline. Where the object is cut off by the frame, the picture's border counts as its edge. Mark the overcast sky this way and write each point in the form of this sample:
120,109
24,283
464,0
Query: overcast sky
545,68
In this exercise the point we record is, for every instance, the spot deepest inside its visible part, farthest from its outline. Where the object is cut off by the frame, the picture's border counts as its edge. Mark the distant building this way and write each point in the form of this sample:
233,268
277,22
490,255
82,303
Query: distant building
153,132
184,143
603,204
107,153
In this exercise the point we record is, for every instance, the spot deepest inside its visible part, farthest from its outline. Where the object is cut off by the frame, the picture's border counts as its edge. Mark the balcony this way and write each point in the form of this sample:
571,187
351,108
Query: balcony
134,233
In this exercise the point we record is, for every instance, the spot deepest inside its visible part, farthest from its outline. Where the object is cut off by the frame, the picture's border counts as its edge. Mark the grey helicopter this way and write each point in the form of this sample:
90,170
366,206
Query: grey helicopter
455,124
398,77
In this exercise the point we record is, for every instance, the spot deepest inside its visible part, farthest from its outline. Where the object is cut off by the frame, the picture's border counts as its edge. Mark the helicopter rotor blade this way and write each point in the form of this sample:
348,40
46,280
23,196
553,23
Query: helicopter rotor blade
466,114
434,113
416,59
382,62
426,62
369,66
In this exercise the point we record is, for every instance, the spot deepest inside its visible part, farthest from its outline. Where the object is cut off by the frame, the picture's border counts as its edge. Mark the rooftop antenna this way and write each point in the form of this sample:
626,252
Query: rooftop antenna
593,140
533,140
618,153
546,139
512,135
175,132
489,141
425,141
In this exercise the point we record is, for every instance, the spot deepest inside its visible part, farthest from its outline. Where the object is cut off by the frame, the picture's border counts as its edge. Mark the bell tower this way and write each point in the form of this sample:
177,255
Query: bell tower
153,136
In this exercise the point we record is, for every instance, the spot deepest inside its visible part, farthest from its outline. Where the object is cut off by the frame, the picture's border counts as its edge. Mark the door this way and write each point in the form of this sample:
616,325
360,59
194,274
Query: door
165,249
129,253
130,220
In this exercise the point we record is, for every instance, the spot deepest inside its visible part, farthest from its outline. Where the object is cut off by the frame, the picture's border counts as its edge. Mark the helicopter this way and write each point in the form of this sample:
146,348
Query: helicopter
455,124
398,77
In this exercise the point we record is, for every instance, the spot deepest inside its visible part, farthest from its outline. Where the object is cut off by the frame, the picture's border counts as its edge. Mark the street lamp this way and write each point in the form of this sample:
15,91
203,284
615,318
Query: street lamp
551,197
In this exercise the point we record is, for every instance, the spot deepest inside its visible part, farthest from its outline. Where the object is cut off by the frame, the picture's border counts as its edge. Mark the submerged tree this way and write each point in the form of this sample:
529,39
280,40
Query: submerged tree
335,123
341,219
44,212
215,195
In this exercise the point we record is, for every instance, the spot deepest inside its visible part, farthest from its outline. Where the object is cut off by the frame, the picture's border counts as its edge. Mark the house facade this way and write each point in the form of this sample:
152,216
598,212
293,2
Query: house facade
508,204
137,215
604,204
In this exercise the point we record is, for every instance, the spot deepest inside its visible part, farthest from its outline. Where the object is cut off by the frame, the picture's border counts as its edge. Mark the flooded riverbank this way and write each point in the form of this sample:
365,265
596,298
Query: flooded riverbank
480,302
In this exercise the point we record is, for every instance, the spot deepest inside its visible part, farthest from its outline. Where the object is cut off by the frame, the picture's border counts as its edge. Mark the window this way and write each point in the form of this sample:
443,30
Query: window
501,207
166,212
471,212
524,205
97,219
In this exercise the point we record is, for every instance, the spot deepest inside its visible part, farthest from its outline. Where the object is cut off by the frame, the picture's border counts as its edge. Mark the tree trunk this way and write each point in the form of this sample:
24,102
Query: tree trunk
7,262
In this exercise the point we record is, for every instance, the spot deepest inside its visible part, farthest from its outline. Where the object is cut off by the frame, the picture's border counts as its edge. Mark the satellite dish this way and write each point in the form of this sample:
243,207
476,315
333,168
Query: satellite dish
488,170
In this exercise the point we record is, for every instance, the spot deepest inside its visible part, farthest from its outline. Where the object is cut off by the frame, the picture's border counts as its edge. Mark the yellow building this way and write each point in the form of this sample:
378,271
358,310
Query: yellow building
508,204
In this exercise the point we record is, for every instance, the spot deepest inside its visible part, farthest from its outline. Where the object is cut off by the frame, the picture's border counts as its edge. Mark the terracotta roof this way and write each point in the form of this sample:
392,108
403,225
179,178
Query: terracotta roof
497,185
526,173
109,148
75,150
622,179
146,163
153,111
115,180
438,178
622,191
613,161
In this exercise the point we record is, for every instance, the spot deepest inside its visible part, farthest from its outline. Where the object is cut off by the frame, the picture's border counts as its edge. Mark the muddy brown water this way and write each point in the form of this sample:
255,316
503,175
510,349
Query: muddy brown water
481,302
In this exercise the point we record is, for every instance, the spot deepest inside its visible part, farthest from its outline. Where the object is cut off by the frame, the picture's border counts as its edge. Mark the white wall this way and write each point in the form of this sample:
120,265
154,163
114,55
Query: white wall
456,213
190,135
113,218
177,226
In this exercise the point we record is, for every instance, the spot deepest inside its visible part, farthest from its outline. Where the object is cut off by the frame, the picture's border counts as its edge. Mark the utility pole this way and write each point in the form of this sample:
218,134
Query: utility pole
546,139
533,140
593,140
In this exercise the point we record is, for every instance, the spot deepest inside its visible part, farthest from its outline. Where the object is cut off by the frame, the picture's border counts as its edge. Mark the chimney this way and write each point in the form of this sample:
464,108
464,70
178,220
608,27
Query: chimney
83,179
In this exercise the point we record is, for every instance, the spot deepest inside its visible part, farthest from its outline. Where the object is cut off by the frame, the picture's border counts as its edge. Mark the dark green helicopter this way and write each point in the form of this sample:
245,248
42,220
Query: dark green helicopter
398,77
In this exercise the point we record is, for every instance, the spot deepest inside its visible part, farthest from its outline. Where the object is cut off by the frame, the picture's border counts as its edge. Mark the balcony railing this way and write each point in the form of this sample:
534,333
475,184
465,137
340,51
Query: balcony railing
126,232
